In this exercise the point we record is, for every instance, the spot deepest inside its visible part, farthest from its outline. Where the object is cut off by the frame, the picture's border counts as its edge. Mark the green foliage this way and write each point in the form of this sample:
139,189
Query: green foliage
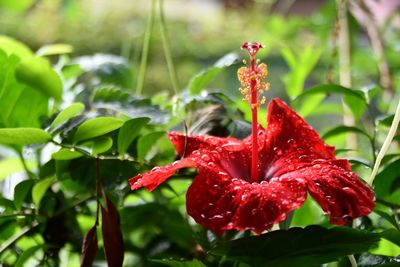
72,133
313,245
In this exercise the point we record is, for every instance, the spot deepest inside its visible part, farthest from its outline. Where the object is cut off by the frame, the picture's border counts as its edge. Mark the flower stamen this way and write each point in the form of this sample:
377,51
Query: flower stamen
252,86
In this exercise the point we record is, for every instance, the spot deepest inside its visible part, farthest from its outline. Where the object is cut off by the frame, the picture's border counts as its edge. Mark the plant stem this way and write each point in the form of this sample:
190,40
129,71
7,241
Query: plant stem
386,144
145,49
254,121
21,157
345,66
352,260
167,49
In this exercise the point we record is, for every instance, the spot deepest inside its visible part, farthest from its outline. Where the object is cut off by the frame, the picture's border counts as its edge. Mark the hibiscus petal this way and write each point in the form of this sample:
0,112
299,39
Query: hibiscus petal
229,153
340,193
288,133
158,175
220,203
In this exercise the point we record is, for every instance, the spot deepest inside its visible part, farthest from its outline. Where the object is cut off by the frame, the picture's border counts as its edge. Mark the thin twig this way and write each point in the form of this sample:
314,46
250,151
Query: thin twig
386,144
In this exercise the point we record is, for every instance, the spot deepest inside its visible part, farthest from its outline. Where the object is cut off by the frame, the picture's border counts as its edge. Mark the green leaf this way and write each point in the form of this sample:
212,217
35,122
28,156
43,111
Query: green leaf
67,113
146,142
20,105
27,254
179,263
309,105
386,183
38,74
386,248
66,154
390,218
96,127
344,129
55,49
11,46
23,136
99,145
202,79
21,192
332,88
39,189
9,166
313,245
128,132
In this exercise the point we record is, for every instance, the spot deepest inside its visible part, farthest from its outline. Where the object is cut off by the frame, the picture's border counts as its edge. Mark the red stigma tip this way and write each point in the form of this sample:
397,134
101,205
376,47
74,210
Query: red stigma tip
252,47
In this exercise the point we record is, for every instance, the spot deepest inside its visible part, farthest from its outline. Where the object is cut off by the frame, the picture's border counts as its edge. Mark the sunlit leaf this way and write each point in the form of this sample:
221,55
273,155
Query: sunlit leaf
23,136
38,74
10,165
313,245
12,46
96,127
66,154
54,49
67,113
128,132
39,189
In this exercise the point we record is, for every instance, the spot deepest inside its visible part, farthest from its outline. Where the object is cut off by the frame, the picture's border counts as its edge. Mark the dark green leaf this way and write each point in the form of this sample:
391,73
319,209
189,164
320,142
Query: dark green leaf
89,247
344,129
177,263
390,218
67,113
21,191
23,136
96,127
332,88
202,79
313,245
128,132
146,142
113,244
38,74
392,235
386,183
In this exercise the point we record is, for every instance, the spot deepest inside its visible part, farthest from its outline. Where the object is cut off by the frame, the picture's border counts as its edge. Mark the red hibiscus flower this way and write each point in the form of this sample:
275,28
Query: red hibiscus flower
254,183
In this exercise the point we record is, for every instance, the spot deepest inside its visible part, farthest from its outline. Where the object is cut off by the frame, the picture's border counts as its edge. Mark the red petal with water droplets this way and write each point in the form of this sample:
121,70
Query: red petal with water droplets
158,175
229,154
220,203
295,151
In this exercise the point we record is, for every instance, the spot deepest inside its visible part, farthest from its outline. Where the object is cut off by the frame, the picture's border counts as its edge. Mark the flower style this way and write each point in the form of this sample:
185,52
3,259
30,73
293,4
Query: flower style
254,183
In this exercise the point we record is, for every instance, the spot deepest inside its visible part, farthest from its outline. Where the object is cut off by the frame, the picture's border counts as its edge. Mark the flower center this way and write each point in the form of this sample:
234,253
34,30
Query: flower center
252,85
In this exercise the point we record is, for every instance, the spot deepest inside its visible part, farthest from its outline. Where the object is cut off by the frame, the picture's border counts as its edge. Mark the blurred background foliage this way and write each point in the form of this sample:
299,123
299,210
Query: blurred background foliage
100,92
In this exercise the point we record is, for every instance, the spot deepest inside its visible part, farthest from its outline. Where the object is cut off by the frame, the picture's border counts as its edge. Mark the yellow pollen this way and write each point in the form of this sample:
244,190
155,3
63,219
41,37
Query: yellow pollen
259,75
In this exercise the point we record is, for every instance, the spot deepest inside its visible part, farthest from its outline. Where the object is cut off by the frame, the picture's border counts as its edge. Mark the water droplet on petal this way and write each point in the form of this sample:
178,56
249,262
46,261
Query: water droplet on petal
211,164
155,169
205,157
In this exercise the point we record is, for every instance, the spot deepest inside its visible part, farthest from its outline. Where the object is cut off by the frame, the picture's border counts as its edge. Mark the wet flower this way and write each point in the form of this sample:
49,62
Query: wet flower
254,183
